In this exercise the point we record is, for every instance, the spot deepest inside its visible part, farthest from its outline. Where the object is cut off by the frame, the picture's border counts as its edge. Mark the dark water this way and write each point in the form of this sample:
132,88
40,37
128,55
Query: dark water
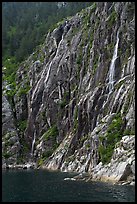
45,186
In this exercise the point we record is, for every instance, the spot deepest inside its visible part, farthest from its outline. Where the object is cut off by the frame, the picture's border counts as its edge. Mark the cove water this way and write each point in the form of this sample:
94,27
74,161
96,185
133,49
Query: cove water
47,186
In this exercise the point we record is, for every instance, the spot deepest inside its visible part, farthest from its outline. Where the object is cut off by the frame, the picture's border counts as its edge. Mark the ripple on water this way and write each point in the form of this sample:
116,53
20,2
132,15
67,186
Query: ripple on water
46,186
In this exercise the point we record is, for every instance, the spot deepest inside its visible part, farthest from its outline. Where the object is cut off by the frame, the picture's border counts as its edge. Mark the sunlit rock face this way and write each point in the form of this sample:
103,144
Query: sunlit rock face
81,102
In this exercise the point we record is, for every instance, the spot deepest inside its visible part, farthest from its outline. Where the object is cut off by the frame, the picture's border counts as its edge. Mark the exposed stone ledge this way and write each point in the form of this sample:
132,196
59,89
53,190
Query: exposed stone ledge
20,166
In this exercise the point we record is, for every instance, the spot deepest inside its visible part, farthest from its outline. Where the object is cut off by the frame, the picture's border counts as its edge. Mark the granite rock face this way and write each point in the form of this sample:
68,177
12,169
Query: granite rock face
10,139
79,94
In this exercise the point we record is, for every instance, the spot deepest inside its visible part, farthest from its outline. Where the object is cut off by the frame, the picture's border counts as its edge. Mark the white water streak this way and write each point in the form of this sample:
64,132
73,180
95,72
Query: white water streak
112,71
42,76
59,90
37,85
112,66
33,143
47,76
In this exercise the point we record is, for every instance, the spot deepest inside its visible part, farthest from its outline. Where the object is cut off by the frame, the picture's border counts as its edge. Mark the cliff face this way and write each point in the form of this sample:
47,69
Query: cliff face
10,140
76,95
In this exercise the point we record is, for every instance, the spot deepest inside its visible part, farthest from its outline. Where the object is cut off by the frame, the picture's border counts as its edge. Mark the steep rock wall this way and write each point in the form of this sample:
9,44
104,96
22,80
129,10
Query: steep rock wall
78,107
10,138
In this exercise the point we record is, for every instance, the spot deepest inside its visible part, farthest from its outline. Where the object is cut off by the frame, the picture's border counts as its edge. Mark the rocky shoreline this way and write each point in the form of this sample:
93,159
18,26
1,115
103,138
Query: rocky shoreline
19,166
79,113
81,176
86,178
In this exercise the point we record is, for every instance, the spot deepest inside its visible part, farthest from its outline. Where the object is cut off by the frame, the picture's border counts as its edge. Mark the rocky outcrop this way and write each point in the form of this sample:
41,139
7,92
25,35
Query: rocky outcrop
77,94
20,166
122,165
10,139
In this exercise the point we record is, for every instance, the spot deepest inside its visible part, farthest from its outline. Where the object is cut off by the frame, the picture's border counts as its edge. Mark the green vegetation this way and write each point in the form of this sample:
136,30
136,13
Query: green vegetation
25,148
8,135
74,31
127,102
9,69
7,143
6,155
106,153
130,10
87,146
113,135
94,6
64,100
22,32
117,86
112,18
110,48
22,124
95,63
126,53
129,132
43,114
79,59
20,160
101,138
23,90
83,138
51,133
38,53
47,154
63,103
44,156
90,46
75,127
86,19
87,38
40,161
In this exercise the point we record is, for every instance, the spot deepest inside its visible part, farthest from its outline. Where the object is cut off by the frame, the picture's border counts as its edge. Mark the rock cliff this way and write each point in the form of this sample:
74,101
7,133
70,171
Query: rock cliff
75,96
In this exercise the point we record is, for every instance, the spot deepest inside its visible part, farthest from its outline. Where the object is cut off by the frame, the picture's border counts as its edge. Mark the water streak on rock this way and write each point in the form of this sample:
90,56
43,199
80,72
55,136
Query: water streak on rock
112,66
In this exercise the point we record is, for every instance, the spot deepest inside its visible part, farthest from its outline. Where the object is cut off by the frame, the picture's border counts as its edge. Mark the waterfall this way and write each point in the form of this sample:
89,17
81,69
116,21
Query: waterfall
111,72
48,72
112,66
33,142
41,78
59,89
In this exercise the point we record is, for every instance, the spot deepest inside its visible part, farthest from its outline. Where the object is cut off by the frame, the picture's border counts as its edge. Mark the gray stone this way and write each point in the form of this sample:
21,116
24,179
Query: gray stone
70,90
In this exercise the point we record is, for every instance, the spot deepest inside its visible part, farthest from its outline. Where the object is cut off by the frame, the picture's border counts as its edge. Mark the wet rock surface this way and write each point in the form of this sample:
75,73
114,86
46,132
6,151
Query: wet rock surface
75,108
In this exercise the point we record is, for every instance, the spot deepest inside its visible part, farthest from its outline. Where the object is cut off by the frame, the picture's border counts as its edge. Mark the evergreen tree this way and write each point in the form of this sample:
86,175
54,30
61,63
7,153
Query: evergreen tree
25,23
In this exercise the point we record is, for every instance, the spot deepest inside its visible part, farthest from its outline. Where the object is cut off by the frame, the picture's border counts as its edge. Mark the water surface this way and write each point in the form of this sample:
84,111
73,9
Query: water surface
46,186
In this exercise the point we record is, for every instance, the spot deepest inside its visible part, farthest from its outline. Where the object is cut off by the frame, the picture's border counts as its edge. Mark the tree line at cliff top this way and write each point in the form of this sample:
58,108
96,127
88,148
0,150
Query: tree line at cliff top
24,25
